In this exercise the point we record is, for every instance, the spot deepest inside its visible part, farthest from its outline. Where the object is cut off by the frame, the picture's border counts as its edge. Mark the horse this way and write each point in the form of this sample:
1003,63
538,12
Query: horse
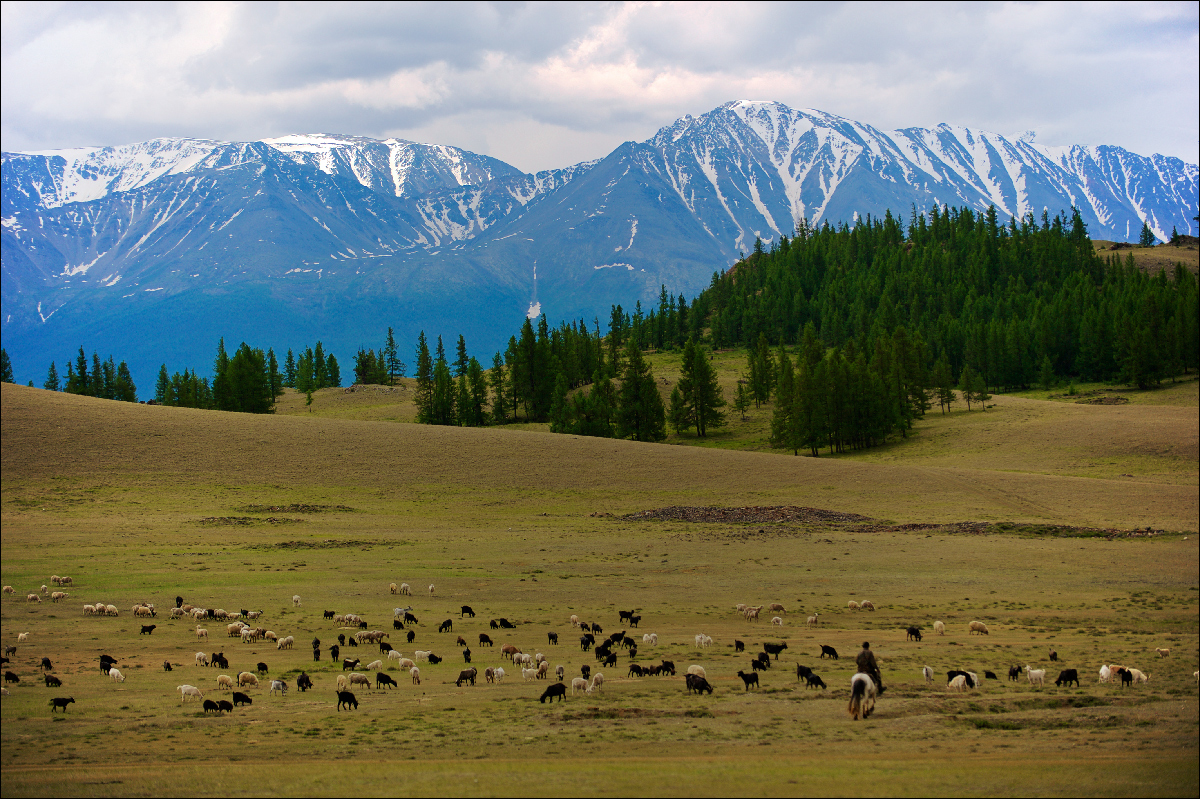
862,696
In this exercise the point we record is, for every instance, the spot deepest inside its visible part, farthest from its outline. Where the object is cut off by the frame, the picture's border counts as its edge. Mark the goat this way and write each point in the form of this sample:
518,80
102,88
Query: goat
61,702
553,690
346,698
749,679
828,650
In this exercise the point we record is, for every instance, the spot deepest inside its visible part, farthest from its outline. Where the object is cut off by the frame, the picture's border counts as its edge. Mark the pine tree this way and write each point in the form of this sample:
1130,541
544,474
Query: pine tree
1147,238
52,382
560,406
967,382
477,393
700,392
981,392
1046,373
289,370
500,390
460,358
77,378
124,389
423,396
783,423
640,413
6,370
222,391
395,366
162,388
741,400
442,400
333,372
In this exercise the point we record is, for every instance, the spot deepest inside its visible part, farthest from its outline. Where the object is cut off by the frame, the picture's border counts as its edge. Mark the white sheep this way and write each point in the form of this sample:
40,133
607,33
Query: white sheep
499,673
225,681
8,589
176,613
278,685
431,589
286,643
405,589
1139,676
1162,653
201,659
405,663
201,633
1105,674
375,665
89,610
959,684
394,654
341,682
852,605
778,620
866,605
939,628
597,683
703,640
654,639
45,590
421,656
270,635
58,596
393,588
33,598
775,607
578,684
296,600
65,581
539,658
111,610
22,637
186,691
246,678
812,620
529,674
574,618
116,676
698,671
416,675
928,672
977,627
1036,676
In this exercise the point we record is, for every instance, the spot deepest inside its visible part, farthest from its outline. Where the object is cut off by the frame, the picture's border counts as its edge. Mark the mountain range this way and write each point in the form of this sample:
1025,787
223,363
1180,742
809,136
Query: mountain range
152,251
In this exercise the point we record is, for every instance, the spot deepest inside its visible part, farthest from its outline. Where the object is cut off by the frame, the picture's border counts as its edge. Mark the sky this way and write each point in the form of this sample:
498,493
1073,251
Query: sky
547,85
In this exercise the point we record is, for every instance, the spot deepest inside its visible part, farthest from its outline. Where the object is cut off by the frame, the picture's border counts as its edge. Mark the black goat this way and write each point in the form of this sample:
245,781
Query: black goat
434,659
409,618
350,665
225,705
382,679
412,636
212,706
467,611
814,682
749,679
828,650
52,681
738,646
148,629
553,638
1068,676
485,640
697,684
241,699
447,626
62,702
802,671
914,634
304,682
554,689
346,698
774,649
334,653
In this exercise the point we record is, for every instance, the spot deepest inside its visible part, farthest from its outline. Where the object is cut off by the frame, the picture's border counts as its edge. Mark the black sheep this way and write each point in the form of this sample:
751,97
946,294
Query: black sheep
467,611
410,619
211,706
240,698
412,636
697,684
397,624
802,671
758,665
553,638
304,682
346,698
554,689
738,646
466,656
11,677
814,682
334,653
225,705
586,671
382,679
342,639
166,665
47,665
669,667
434,659
485,639
610,661
52,681
262,667
914,634
148,629
447,626
1068,676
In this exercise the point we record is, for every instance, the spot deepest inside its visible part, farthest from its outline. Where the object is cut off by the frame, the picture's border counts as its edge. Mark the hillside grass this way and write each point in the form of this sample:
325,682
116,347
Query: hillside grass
140,503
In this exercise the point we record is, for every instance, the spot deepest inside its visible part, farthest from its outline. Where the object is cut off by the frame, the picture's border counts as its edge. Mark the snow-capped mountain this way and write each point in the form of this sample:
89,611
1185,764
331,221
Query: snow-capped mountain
287,240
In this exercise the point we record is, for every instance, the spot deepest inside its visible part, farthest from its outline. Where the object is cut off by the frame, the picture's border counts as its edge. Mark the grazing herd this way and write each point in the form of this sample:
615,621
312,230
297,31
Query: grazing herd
533,667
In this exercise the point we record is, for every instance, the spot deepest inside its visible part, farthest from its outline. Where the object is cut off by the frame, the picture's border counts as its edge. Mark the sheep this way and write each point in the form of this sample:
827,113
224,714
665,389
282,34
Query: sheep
225,706
45,590
421,656
405,664
11,677
22,637
529,674
852,605
499,673
188,691
296,601
261,668
749,679
1036,676
990,675
959,684
57,702
52,681
89,610
341,682
8,589
393,588
866,605
703,640
269,635
286,643
211,706
346,698
977,627
225,681
928,673
939,628
1067,676
241,699
697,671
697,684
405,590
116,676
280,686
597,683
1105,674
1139,676
65,581
359,679
246,678
812,620
1162,653
58,596
778,620
415,673
578,684
201,633
913,633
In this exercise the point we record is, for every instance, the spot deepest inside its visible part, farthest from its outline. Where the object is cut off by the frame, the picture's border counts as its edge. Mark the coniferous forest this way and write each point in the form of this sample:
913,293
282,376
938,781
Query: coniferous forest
854,332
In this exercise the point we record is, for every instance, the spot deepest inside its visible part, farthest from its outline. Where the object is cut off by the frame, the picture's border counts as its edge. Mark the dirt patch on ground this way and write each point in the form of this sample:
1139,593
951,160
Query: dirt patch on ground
772,514
327,543
244,521
295,508
1103,401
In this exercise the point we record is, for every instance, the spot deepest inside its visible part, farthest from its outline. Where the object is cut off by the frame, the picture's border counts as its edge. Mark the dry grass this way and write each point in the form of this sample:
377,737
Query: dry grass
114,495
1152,259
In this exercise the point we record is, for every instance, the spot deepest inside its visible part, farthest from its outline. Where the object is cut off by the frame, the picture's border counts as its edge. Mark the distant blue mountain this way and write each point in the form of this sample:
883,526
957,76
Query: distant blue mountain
154,250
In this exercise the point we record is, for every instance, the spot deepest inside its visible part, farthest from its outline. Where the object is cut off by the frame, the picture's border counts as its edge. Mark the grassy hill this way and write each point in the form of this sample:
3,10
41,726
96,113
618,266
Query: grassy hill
335,501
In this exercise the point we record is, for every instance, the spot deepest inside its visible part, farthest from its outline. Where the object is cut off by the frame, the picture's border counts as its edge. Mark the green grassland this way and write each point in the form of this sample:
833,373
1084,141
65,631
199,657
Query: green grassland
333,502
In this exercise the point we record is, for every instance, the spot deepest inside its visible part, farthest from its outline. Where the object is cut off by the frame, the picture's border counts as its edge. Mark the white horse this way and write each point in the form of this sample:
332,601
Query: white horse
862,696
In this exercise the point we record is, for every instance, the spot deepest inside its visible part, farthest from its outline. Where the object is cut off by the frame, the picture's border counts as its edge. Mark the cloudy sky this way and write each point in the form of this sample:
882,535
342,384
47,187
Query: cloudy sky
546,85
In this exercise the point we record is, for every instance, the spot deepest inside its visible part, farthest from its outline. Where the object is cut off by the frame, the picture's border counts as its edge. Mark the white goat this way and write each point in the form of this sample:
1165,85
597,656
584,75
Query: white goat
186,691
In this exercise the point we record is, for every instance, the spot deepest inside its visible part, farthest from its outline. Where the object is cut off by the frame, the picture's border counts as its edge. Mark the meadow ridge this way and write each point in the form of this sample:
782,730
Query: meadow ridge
335,501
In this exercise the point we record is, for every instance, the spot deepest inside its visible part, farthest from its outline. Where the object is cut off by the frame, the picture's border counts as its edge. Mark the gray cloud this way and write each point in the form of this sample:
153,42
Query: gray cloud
544,85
